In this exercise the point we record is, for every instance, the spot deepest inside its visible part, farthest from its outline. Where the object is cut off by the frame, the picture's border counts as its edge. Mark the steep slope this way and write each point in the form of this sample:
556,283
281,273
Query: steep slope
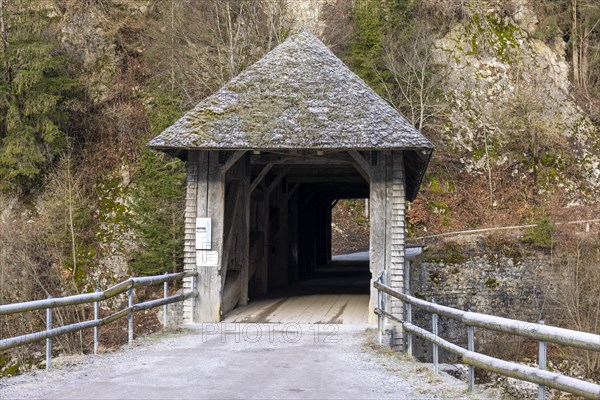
513,144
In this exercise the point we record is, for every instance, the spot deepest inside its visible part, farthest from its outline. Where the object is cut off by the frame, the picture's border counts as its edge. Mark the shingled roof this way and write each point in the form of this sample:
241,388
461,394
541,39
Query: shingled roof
298,96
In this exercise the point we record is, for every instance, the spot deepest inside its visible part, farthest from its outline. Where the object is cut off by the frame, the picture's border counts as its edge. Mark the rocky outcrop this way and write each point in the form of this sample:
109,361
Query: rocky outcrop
497,71
89,33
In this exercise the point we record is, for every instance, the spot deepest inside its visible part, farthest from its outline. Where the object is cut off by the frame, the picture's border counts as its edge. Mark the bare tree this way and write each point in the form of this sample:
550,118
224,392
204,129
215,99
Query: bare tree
4,40
585,33
415,80
576,275
209,42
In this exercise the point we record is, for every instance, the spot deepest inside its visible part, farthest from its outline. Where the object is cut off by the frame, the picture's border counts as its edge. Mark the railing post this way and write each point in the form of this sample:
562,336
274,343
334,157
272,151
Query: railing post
384,296
130,316
409,348
434,329
409,336
194,299
166,294
379,316
96,328
542,365
48,340
471,347
384,304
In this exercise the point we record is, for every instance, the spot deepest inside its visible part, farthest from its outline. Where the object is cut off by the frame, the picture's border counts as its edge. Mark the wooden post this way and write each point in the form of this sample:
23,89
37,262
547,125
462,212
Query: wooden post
395,241
386,204
211,204
189,250
377,205
244,236
293,234
303,239
262,271
278,248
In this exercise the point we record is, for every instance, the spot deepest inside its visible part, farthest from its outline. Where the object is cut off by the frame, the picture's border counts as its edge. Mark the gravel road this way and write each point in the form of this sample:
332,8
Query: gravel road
234,361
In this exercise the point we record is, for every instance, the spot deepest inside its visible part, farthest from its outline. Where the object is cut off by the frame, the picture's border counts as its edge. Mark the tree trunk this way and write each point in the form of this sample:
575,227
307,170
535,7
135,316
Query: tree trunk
172,48
71,219
489,168
584,62
575,42
4,40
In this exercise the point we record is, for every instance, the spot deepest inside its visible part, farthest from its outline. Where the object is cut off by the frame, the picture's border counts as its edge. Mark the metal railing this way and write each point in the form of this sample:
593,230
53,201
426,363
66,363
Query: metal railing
126,286
540,332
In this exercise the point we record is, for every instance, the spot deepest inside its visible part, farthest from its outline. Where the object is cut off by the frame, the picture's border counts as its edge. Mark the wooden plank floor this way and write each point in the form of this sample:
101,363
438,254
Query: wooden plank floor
310,309
338,294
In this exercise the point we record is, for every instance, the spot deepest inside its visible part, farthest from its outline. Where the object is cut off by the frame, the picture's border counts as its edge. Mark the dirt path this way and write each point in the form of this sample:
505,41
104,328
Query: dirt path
223,361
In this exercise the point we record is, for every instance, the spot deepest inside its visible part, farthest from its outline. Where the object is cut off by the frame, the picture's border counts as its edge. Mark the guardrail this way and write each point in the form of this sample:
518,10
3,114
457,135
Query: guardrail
539,332
126,286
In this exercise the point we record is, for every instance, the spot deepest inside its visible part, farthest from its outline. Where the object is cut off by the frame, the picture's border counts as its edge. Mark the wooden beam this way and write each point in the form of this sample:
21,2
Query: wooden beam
305,161
245,233
308,199
341,158
263,266
279,248
232,160
277,179
293,190
236,245
361,165
377,224
210,203
232,205
346,179
260,176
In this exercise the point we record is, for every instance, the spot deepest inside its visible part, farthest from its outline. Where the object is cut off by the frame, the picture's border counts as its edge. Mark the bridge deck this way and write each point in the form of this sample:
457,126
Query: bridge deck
337,294
311,309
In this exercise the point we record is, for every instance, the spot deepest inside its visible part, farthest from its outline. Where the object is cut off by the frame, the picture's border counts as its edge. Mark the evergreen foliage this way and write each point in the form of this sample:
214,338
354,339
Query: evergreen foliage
157,200
33,88
376,21
541,235
367,40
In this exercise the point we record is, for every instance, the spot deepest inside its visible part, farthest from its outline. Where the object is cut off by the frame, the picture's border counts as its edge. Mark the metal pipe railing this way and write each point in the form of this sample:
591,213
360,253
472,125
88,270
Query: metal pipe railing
539,332
117,289
94,298
567,337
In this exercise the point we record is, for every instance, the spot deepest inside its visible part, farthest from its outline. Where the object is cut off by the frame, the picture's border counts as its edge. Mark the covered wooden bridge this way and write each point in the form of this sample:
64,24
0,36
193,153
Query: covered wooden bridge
268,154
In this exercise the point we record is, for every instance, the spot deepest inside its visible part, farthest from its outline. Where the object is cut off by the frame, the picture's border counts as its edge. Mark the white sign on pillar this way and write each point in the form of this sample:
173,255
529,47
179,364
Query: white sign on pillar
205,257
203,236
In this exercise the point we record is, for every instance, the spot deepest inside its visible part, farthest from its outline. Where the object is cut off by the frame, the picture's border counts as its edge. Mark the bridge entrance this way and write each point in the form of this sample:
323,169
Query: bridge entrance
337,293
267,156
293,277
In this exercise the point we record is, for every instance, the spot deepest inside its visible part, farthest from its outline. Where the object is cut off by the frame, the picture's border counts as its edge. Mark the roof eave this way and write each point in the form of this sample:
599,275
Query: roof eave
166,148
